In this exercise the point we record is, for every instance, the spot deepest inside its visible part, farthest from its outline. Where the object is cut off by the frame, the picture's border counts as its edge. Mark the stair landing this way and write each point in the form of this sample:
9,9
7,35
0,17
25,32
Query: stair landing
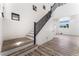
14,43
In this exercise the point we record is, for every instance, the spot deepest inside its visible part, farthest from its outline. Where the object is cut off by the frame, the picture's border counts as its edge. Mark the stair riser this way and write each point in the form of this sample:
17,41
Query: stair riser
30,35
15,49
32,38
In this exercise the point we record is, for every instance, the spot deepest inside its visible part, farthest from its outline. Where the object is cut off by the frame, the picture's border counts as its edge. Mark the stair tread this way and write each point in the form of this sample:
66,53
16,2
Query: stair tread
23,50
32,32
14,43
30,35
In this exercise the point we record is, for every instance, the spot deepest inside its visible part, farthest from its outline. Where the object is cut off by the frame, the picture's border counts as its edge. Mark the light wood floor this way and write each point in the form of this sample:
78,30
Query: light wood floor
14,43
65,45
59,46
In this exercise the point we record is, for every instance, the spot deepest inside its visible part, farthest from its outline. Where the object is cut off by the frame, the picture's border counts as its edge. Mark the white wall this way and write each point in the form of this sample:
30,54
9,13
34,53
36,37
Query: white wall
47,32
73,26
0,28
72,11
66,10
52,26
14,29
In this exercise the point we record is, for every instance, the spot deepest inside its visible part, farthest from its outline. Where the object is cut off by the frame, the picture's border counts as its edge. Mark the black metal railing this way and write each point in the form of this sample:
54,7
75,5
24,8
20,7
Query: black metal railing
39,25
34,33
42,22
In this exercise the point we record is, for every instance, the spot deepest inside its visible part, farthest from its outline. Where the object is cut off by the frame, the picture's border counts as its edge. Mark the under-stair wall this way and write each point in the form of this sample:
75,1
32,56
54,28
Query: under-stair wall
47,31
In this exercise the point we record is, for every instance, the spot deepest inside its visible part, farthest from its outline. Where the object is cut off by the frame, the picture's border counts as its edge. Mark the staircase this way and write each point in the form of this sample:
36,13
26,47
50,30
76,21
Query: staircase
30,35
41,23
27,45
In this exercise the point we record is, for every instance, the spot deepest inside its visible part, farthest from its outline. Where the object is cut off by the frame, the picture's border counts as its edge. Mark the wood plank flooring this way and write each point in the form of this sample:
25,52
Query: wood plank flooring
14,43
59,46
65,45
